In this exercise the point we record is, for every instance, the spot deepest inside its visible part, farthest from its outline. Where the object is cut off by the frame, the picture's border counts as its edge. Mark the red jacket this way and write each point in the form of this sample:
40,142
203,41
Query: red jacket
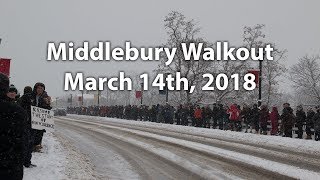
274,118
234,113
198,113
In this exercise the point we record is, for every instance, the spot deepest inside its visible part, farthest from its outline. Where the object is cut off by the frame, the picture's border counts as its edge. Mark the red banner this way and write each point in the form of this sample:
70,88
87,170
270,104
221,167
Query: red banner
255,72
5,66
138,94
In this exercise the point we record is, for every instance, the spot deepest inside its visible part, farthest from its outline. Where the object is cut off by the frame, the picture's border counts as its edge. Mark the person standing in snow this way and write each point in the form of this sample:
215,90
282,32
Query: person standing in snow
245,113
264,118
254,118
234,114
178,114
222,117
309,122
287,120
12,93
40,98
300,120
184,115
207,114
25,103
198,116
12,127
274,118
316,121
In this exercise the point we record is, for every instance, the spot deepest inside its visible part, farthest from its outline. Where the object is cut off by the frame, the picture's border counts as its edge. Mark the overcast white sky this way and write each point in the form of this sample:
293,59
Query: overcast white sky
27,26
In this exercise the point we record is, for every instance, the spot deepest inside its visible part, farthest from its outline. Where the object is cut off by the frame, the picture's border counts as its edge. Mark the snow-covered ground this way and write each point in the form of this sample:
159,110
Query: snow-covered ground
297,145
99,147
277,155
50,163
58,160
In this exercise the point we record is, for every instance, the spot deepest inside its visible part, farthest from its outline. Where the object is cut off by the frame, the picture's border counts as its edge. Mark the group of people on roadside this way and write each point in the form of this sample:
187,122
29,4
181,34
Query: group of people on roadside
233,117
18,139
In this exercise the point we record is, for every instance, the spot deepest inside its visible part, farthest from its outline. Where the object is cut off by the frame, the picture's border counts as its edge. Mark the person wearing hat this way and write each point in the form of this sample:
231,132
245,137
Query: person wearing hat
39,98
12,127
12,93
287,120
316,121
25,103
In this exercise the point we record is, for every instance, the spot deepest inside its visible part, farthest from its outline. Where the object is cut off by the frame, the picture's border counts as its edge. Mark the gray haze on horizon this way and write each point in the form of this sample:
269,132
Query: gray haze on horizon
27,27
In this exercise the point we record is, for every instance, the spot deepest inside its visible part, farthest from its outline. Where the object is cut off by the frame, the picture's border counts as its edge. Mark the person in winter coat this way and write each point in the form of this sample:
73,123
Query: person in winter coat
169,114
222,117
254,118
300,120
12,127
12,93
245,114
184,115
234,114
316,121
40,98
207,114
178,114
153,113
191,114
274,118
25,103
263,119
215,115
309,123
160,118
287,118
198,117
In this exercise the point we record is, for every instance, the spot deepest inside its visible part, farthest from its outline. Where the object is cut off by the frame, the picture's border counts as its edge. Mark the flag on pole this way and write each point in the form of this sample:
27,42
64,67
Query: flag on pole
5,66
138,94
255,72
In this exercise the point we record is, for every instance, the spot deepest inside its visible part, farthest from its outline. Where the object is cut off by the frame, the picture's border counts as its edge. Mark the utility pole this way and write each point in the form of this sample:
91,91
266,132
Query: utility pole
141,92
98,97
57,102
82,98
260,83
71,100
167,90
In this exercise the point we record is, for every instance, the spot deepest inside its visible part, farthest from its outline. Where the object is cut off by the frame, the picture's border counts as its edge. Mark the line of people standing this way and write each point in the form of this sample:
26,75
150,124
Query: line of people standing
219,116
18,139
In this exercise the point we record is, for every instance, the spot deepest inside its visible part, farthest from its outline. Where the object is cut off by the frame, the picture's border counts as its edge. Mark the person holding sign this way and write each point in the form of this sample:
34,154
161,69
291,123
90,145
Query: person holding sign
40,99
12,127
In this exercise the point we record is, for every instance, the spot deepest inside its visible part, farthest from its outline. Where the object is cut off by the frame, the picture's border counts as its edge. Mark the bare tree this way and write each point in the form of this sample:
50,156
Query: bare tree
180,30
305,76
254,37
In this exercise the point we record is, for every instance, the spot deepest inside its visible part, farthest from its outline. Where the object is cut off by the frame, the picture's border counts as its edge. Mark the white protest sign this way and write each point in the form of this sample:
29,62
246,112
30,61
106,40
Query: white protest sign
42,119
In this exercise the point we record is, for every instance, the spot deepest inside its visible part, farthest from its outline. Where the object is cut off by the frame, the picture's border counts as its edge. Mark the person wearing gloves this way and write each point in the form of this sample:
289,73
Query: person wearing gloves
40,98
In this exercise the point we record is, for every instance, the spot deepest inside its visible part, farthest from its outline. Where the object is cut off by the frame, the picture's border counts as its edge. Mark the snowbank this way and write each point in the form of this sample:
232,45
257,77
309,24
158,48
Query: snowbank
50,163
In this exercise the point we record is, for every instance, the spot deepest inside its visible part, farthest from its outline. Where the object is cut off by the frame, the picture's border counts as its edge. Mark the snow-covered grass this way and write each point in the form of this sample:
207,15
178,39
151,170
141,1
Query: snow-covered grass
50,163
292,144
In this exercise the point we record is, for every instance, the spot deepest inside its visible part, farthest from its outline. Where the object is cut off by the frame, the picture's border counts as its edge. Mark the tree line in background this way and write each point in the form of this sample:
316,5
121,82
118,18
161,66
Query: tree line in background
305,75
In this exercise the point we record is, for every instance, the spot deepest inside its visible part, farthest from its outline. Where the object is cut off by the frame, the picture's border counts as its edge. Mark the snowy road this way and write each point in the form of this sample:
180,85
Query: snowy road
120,149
